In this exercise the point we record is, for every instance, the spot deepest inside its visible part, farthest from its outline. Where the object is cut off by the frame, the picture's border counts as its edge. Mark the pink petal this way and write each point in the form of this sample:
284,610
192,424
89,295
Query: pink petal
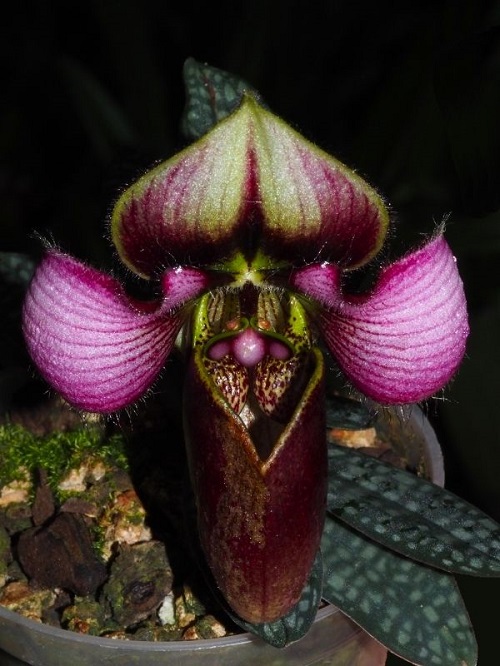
404,341
88,339
181,284
320,282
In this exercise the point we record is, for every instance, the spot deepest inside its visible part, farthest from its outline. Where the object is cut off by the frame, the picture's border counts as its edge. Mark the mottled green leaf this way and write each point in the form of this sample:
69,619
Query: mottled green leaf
296,623
348,414
411,515
415,611
16,268
212,94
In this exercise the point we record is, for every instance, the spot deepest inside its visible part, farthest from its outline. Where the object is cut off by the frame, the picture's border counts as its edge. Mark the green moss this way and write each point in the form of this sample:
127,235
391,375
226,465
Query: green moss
56,453
98,539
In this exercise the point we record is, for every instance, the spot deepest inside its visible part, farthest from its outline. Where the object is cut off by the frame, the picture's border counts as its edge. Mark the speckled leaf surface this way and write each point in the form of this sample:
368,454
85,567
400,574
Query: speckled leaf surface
212,94
415,611
410,515
296,623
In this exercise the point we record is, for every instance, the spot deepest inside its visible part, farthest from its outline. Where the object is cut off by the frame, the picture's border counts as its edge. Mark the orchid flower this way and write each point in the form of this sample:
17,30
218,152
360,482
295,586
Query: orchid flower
248,234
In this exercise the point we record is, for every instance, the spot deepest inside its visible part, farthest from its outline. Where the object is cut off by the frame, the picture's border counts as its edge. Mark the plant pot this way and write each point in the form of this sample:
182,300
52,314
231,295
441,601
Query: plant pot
333,640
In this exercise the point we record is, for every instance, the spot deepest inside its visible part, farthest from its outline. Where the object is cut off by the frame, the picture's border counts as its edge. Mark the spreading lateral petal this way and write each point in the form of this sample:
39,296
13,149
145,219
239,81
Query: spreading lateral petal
403,341
89,340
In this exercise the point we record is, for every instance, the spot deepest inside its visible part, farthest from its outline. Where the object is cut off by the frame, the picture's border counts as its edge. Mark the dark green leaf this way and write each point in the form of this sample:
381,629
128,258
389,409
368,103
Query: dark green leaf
212,94
415,611
411,515
16,268
347,414
296,623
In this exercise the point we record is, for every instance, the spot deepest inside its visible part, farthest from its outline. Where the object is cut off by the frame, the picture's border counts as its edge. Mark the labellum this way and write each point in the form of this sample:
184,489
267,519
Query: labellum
254,423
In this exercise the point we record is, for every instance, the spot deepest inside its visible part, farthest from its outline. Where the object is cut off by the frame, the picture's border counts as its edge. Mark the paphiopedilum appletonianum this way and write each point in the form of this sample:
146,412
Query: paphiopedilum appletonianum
248,233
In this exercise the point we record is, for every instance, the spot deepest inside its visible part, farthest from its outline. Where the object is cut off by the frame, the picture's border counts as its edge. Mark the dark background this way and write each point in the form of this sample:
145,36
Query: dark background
406,93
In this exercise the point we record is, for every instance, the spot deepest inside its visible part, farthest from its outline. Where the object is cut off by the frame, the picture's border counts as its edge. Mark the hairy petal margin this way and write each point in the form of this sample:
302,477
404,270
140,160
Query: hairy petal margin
404,340
89,340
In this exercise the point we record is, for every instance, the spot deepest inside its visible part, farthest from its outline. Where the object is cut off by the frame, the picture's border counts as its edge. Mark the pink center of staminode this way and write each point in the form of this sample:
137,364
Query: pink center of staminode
249,347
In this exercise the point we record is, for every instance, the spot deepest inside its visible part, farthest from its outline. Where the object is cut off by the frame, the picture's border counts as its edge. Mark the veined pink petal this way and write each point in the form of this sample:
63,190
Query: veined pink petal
88,339
320,282
251,183
182,283
404,341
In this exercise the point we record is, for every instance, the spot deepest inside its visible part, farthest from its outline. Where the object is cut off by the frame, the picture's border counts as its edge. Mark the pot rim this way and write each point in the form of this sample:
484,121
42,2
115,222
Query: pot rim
140,646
